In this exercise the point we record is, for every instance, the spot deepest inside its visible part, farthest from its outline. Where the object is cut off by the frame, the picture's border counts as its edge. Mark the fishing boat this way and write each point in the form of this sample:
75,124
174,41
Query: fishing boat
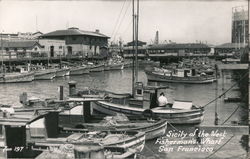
22,75
145,103
178,75
16,77
77,118
110,140
61,72
44,74
79,70
95,68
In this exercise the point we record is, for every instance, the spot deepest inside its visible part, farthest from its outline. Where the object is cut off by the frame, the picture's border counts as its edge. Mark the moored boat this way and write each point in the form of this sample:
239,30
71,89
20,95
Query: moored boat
79,70
75,118
61,72
144,103
96,68
116,66
181,75
45,74
17,77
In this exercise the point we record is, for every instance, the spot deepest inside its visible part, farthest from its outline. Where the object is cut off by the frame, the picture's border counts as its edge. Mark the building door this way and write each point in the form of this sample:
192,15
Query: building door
51,51
69,50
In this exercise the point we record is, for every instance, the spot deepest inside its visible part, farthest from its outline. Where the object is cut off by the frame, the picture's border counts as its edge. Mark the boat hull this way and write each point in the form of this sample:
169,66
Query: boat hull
62,72
46,75
175,117
17,78
172,79
97,68
116,67
79,71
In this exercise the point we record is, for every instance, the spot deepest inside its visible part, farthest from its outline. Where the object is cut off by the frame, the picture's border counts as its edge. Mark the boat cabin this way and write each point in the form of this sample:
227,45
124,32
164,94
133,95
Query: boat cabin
186,72
146,96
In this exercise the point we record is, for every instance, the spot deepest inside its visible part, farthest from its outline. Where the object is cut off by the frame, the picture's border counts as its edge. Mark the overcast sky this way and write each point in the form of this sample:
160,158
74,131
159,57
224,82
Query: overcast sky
179,21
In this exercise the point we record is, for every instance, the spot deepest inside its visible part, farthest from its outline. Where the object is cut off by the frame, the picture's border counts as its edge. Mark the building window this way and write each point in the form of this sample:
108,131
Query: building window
73,38
60,47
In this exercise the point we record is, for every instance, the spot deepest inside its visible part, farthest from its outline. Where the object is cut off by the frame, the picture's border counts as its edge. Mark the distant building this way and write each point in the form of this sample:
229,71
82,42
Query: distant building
20,49
52,47
20,36
34,48
142,48
79,42
184,48
240,30
228,48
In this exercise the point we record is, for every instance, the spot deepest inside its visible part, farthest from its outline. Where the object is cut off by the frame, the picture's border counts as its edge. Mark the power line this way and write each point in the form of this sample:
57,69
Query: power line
122,20
118,18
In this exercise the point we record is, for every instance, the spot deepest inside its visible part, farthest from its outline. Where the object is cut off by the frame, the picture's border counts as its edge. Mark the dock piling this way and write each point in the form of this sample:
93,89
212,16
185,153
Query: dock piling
72,88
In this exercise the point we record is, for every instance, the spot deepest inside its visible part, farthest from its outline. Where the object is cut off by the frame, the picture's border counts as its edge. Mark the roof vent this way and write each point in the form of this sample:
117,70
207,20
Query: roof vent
97,31
74,28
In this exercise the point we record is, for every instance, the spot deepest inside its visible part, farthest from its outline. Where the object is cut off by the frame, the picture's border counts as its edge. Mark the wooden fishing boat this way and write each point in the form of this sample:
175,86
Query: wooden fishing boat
96,68
45,74
16,77
181,75
116,66
79,70
110,140
61,72
77,118
145,103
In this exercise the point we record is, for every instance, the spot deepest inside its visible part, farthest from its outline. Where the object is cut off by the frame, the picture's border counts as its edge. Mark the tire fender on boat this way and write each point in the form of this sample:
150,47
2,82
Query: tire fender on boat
148,113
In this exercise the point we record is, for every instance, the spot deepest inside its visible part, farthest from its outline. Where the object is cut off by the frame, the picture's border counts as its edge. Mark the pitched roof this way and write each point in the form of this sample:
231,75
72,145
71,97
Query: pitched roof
73,31
20,44
179,46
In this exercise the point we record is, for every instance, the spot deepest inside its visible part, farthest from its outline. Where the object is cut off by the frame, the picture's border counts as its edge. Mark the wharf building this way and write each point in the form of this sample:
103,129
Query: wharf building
65,43
142,48
171,49
80,42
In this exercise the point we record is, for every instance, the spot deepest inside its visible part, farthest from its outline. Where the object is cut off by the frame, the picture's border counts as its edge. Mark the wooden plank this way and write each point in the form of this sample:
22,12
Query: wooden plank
235,130
233,66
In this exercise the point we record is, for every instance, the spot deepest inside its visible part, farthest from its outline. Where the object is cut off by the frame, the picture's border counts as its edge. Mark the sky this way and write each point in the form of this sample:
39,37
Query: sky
180,21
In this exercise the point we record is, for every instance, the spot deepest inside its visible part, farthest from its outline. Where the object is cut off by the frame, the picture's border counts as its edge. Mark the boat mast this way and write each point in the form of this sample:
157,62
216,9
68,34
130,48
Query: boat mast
133,48
136,44
2,52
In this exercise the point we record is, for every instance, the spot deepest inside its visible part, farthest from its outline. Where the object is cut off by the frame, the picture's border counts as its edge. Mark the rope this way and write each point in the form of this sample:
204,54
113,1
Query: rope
225,91
154,154
220,147
233,111
231,115
173,127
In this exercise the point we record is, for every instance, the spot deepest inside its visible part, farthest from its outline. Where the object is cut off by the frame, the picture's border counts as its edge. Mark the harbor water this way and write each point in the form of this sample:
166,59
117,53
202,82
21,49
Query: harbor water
121,81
